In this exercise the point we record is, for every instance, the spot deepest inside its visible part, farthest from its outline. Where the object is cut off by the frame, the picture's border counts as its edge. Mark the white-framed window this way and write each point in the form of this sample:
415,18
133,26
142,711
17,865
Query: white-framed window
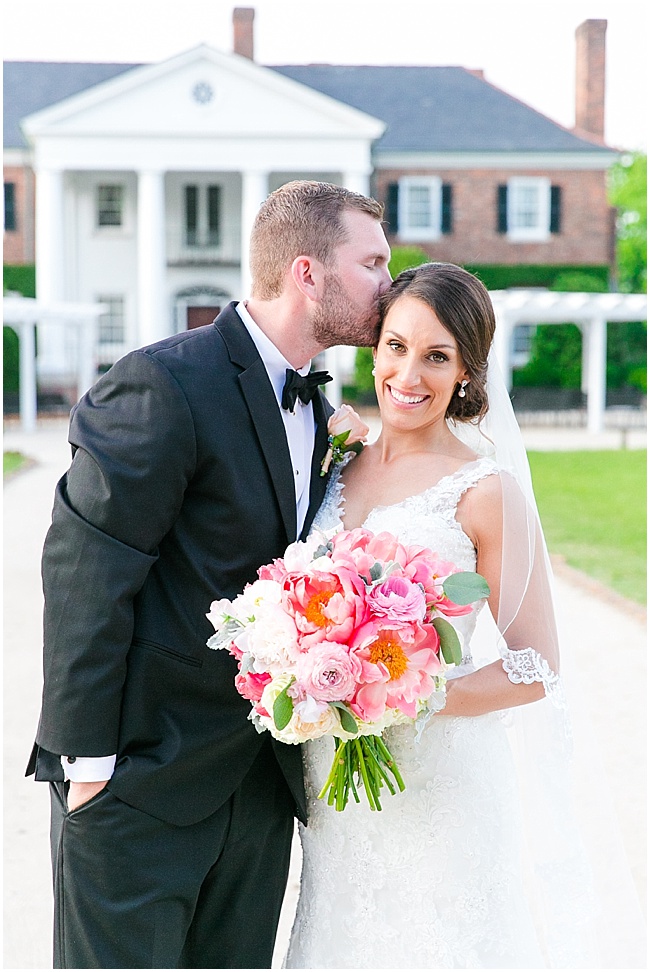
202,215
112,324
529,208
110,205
419,208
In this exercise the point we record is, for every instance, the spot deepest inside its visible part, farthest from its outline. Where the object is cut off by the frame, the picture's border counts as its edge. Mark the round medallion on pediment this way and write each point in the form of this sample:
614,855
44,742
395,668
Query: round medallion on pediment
202,92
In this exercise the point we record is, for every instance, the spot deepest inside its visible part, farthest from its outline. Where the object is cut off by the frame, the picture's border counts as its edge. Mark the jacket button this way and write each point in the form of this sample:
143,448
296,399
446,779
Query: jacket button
71,759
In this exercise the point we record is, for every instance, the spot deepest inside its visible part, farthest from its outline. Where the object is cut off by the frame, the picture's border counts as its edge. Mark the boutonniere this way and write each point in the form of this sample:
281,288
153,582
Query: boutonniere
346,432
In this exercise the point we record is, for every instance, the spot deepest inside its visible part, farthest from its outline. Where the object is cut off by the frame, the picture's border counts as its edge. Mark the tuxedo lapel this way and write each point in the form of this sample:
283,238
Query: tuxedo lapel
264,411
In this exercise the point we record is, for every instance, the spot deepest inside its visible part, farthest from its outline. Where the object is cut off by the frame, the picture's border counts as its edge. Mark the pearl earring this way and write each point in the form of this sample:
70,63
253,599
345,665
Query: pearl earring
461,390
374,371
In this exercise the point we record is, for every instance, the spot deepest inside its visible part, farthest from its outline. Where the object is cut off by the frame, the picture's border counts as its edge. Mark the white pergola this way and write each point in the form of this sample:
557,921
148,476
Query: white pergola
25,314
590,312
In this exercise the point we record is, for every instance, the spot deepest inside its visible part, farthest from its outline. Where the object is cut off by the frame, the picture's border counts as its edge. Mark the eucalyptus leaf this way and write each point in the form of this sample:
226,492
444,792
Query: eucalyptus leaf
376,571
449,643
466,587
282,710
348,722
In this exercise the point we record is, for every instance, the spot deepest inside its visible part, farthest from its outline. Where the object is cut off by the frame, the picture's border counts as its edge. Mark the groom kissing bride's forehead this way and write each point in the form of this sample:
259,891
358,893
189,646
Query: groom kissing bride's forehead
172,817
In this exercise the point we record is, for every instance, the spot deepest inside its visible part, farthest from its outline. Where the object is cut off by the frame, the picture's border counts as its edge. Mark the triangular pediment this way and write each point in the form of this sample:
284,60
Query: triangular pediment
202,93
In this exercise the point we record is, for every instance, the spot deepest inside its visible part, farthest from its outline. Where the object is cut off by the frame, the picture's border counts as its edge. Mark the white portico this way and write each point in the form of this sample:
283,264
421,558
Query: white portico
148,184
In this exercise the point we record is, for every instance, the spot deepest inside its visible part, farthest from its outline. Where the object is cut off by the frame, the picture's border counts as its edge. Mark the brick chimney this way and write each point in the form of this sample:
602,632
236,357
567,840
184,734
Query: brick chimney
590,78
242,31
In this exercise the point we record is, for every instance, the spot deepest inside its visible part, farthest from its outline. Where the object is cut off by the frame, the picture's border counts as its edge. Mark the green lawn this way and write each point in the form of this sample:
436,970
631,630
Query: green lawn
11,461
593,509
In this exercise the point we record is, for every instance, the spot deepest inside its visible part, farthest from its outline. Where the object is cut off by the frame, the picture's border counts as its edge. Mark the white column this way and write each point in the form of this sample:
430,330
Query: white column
254,190
153,313
333,388
357,182
597,372
502,346
87,363
53,359
50,243
27,359
584,374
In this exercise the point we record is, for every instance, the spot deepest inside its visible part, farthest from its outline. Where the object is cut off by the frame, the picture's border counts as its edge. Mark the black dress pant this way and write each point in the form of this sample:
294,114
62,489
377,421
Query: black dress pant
134,892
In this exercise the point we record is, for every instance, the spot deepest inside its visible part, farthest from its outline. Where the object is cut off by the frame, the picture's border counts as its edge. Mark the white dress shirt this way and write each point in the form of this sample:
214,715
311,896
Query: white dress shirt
300,427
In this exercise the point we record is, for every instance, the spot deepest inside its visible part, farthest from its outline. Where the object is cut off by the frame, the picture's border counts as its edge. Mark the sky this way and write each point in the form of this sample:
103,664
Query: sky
526,48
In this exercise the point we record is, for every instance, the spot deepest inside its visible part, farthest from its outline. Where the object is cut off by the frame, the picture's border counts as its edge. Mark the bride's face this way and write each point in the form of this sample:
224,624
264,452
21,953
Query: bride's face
417,366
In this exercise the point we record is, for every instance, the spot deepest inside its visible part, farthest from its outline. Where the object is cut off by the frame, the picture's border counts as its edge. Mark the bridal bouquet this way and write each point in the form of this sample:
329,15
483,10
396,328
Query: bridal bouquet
344,636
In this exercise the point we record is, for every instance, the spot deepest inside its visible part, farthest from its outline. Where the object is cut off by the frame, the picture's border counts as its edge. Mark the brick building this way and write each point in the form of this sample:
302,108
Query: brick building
145,178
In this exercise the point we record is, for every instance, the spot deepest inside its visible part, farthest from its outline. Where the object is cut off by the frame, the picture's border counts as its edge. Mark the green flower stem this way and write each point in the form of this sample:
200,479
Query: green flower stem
366,759
364,773
332,774
390,762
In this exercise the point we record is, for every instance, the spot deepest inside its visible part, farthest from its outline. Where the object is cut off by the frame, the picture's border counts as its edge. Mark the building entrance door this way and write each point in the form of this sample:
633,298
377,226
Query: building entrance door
198,316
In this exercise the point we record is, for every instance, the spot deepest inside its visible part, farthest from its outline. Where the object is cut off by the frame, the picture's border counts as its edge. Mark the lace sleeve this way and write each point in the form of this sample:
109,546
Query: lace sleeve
527,665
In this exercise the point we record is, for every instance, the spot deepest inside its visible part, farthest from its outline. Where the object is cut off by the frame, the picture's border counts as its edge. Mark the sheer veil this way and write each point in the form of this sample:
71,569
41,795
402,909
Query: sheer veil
584,900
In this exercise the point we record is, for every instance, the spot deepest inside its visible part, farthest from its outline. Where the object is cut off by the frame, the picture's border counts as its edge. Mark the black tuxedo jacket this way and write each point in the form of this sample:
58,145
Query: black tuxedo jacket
180,487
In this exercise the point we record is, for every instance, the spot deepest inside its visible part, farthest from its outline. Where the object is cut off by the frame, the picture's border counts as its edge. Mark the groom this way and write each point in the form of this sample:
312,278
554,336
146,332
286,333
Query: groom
171,817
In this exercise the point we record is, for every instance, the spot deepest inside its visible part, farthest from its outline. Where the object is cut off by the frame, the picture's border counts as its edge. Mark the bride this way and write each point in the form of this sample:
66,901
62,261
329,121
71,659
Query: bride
479,863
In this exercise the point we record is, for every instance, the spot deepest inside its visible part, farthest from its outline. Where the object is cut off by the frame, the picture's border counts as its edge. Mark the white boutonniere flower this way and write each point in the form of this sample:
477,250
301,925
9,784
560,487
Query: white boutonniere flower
346,433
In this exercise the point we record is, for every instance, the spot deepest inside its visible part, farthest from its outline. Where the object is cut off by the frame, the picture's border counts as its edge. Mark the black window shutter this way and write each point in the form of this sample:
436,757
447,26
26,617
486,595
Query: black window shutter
10,205
556,209
446,220
502,209
392,193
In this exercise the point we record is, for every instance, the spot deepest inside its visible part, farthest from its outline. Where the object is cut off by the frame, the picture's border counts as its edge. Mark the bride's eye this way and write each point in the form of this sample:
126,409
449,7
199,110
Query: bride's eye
438,356
395,346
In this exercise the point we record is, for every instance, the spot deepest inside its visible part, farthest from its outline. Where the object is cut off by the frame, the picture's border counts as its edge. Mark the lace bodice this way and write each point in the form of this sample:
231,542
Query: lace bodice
427,519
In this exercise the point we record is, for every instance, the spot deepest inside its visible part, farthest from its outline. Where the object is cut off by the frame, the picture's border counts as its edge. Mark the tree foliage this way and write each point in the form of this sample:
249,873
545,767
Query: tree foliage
628,192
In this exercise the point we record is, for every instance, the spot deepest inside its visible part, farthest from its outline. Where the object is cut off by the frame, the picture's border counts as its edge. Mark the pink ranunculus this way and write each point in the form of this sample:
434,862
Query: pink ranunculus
397,601
328,673
251,685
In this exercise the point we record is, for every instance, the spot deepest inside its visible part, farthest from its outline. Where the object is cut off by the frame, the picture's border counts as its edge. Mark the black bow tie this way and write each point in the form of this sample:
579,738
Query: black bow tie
303,387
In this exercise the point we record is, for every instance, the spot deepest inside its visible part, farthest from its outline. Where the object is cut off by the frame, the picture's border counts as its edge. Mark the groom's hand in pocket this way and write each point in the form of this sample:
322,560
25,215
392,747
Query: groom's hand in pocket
80,793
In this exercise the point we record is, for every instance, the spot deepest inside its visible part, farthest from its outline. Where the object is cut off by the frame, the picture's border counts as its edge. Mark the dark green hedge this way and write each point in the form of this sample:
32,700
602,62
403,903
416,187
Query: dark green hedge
497,276
21,279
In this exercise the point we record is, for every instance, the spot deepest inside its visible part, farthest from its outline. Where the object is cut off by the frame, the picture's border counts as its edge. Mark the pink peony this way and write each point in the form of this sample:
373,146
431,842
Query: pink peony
325,606
400,671
328,673
398,601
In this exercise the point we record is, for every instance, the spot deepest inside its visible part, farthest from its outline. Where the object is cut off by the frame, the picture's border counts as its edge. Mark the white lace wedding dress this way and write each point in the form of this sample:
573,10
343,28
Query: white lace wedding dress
434,879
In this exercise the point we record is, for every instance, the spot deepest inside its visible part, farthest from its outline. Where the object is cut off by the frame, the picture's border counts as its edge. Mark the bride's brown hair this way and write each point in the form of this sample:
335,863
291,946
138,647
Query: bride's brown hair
462,304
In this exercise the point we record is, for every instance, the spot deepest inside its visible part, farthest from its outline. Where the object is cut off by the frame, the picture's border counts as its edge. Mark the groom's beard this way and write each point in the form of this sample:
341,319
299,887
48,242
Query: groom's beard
337,320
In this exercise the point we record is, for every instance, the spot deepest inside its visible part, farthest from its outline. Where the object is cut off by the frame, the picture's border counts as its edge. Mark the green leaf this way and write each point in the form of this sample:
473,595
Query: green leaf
348,722
466,587
338,441
449,643
282,710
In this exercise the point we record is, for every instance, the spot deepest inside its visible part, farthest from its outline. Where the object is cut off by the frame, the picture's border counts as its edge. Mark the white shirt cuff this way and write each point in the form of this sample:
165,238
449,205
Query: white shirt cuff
88,769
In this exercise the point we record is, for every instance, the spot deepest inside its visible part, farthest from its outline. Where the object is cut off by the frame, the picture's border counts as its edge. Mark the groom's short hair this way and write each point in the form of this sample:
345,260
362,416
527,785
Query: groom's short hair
301,218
